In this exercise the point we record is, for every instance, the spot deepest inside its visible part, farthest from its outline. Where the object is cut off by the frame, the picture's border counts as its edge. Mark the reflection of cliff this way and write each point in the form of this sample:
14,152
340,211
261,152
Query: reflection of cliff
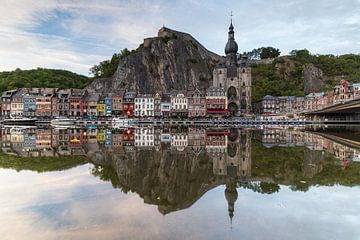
173,168
168,179
173,179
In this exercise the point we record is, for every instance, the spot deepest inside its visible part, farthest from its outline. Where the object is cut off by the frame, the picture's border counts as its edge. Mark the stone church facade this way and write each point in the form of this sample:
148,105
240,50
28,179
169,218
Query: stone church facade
234,76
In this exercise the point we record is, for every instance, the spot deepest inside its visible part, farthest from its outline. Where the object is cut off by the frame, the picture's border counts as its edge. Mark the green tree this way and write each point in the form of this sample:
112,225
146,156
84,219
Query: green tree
269,52
107,68
262,53
42,78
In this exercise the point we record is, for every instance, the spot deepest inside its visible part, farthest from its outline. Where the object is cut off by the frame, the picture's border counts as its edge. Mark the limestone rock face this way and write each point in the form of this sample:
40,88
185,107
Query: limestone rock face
313,78
171,61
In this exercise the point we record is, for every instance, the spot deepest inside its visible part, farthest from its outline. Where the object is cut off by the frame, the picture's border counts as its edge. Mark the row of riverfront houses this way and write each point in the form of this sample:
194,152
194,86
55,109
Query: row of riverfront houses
80,103
312,102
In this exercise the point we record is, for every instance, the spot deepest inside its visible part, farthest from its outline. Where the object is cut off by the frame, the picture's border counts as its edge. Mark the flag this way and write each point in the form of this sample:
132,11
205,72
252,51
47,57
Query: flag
344,82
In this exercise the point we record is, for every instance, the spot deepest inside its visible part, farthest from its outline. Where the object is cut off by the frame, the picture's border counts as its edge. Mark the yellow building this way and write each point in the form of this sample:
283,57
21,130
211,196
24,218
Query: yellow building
101,135
101,108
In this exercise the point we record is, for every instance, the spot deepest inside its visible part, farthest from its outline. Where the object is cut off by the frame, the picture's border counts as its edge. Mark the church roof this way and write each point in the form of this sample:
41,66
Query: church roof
231,45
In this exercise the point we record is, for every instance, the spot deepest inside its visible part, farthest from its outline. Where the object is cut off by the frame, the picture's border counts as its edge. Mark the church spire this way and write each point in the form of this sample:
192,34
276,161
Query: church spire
231,47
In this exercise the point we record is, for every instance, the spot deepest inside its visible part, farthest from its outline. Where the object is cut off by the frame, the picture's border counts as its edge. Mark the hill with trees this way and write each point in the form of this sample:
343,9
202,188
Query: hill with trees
42,77
302,72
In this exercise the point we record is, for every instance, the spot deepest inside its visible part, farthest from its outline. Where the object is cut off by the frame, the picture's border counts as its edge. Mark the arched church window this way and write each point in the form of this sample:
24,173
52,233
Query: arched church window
220,72
220,85
231,93
243,71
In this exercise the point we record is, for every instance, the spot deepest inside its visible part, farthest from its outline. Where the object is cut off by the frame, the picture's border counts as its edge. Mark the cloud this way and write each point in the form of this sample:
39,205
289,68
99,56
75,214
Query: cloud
78,34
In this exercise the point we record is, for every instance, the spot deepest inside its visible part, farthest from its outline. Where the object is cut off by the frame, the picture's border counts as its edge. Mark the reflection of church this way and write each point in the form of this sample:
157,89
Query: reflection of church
233,164
234,77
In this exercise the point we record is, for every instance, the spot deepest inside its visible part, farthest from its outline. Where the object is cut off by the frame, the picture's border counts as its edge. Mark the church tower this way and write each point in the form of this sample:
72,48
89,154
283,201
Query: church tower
234,76
231,48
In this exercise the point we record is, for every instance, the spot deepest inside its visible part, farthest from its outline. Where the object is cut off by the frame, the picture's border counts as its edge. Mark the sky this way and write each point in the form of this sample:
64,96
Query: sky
76,34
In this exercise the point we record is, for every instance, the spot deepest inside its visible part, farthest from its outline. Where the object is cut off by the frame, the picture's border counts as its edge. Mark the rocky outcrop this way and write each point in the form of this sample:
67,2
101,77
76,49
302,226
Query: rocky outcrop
171,61
313,78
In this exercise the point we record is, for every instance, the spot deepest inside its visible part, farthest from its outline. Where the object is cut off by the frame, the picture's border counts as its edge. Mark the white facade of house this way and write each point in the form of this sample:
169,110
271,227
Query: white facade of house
179,102
144,106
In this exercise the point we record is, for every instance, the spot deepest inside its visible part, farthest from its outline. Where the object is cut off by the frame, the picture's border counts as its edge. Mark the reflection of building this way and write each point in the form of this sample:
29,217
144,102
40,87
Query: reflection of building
196,138
174,180
231,157
235,158
144,137
179,141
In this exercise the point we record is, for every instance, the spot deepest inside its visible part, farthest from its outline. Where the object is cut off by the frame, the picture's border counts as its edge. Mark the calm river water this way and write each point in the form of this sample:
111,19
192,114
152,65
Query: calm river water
180,183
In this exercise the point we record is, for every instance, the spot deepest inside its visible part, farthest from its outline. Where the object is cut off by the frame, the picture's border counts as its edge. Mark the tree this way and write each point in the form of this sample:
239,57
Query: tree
254,54
107,68
269,52
303,53
262,53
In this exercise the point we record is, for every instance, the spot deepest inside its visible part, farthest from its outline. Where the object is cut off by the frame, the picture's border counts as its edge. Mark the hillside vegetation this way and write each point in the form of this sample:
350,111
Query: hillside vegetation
41,77
285,76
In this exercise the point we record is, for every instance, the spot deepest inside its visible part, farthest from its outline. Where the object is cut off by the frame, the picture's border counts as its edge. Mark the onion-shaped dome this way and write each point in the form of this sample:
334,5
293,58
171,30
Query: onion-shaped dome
231,47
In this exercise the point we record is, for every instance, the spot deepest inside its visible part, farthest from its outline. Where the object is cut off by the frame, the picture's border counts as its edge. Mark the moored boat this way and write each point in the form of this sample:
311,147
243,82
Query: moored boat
62,122
121,122
19,121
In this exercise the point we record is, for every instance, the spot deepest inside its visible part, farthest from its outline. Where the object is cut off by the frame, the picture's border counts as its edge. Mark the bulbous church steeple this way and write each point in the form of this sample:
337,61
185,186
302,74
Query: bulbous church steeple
231,47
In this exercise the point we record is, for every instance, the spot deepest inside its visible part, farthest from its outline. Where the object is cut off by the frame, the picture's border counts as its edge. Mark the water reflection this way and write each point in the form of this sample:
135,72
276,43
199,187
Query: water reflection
173,168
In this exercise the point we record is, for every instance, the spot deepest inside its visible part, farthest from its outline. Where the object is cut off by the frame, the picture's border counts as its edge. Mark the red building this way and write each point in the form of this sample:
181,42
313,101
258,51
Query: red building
76,98
129,104
196,104
44,102
216,102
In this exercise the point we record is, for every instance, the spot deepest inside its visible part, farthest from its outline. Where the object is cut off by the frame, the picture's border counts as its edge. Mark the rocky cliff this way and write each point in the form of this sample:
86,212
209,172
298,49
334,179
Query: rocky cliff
171,61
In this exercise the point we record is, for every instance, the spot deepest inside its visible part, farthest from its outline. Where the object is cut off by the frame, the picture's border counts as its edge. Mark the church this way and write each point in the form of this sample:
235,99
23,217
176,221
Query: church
234,76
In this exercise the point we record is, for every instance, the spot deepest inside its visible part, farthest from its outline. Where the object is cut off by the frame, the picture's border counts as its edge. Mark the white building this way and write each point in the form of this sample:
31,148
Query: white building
144,137
179,103
179,141
144,105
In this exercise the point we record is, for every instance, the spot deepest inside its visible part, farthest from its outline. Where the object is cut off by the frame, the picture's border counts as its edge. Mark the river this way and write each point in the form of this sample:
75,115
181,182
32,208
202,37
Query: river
180,183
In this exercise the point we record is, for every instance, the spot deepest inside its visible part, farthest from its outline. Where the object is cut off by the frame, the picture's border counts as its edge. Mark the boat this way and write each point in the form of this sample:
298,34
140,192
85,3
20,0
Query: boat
62,122
19,121
122,122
